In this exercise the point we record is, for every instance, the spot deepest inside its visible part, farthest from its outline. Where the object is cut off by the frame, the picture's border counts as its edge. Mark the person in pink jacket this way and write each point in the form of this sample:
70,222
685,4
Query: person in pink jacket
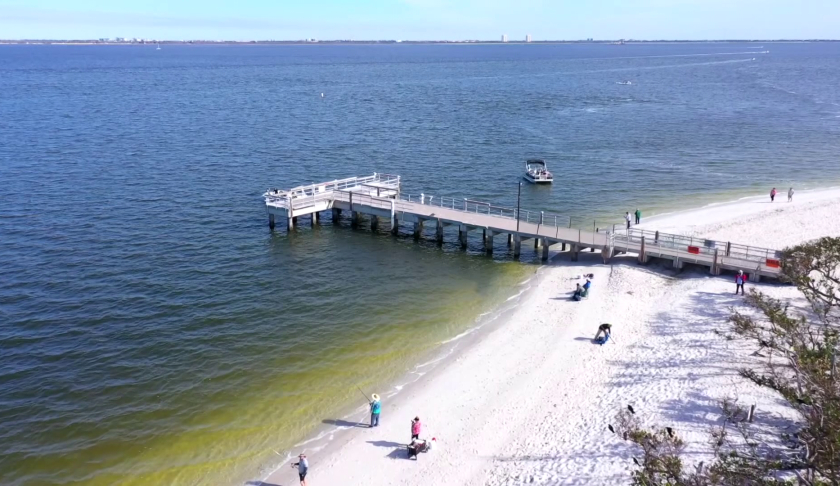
415,428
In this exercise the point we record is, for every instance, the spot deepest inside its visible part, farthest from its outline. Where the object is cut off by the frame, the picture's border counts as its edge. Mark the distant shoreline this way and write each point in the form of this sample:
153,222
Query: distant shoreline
145,42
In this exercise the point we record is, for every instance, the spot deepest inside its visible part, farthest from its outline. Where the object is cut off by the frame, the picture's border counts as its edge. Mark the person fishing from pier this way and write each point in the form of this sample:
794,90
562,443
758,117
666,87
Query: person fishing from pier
303,467
375,410
606,330
638,215
627,218
416,427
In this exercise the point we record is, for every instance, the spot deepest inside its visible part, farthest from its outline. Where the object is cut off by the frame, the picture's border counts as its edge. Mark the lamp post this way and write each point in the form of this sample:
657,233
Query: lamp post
518,198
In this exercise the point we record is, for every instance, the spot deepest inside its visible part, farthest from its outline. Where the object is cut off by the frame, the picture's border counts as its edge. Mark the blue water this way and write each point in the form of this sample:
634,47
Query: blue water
154,331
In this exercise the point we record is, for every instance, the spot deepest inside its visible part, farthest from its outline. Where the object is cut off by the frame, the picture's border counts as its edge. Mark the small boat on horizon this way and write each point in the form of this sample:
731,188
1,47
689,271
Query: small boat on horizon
625,83
536,172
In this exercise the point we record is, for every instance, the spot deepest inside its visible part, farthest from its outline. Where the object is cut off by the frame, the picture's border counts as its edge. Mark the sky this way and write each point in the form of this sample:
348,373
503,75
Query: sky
419,19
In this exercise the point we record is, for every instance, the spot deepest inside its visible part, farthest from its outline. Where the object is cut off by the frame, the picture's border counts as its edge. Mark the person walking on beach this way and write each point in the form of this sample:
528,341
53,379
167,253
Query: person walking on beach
627,218
416,426
739,282
638,216
790,195
772,194
375,409
303,467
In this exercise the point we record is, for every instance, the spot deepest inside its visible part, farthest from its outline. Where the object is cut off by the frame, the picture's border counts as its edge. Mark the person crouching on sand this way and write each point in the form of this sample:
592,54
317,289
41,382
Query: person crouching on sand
416,426
303,467
375,409
604,328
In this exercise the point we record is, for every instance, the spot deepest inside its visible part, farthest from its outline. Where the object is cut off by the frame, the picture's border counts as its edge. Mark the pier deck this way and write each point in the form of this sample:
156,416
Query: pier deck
378,197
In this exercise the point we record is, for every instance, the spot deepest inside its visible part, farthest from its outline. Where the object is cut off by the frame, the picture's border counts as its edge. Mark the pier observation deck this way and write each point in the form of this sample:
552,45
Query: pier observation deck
378,197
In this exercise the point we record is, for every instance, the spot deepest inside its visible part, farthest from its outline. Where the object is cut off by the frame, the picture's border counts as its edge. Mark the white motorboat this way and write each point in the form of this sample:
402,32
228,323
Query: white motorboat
536,172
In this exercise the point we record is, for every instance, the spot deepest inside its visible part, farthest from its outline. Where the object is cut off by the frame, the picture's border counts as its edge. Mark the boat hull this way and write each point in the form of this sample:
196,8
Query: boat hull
532,180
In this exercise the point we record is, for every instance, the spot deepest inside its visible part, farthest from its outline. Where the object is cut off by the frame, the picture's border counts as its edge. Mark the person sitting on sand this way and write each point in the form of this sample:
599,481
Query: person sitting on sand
606,329
587,284
303,468
416,426
578,292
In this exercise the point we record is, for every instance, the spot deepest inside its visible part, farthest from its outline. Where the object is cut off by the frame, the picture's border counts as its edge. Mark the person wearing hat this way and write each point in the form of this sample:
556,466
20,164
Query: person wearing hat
375,409
740,279
415,428
303,468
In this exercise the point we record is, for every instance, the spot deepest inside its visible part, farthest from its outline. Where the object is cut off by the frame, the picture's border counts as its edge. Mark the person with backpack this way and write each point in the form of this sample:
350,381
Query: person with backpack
740,279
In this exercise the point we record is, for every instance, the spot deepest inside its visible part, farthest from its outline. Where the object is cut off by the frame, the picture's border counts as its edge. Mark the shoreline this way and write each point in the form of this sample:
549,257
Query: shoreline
342,442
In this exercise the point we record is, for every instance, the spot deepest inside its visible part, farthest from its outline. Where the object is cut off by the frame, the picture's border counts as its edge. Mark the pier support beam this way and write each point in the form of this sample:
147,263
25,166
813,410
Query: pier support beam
575,251
271,221
517,246
314,219
336,215
418,229
462,235
562,246
395,225
510,239
715,265
678,264
643,253
355,217
606,253
544,250
439,232
292,222
488,240
374,223
537,242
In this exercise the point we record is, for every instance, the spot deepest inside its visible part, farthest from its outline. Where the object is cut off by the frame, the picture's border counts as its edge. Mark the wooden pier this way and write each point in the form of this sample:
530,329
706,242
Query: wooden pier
379,198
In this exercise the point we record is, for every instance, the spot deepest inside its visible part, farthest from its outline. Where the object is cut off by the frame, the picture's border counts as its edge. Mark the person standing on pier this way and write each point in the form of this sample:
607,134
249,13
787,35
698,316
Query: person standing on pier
772,194
790,195
627,218
638,216
375,409
739,282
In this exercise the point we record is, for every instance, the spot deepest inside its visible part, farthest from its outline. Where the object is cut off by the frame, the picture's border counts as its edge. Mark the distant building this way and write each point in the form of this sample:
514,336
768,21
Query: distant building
504,37
528,38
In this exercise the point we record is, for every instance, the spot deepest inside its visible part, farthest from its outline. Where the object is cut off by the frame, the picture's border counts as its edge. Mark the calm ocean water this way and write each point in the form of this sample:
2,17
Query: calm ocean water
154,331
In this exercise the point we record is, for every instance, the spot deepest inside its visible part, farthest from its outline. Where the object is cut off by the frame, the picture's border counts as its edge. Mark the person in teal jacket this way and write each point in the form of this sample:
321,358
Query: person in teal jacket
638,215
375,409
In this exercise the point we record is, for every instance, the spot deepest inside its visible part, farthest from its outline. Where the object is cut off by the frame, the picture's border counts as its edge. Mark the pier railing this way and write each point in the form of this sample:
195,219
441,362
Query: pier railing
699,246
308,195
479,207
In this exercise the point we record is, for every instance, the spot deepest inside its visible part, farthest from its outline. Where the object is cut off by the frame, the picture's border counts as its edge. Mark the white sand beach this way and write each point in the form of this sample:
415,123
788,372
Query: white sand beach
530,400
